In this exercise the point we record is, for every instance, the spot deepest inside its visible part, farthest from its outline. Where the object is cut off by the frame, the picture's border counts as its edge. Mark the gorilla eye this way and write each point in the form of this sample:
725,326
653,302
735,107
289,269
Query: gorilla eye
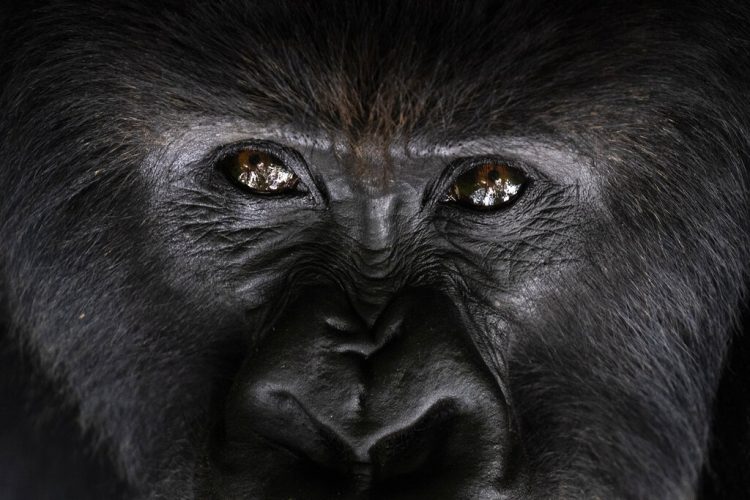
487,186
259,172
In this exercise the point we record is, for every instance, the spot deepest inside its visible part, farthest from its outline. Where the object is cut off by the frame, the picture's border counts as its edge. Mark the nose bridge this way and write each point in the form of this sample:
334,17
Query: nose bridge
379,214
378,209
378,258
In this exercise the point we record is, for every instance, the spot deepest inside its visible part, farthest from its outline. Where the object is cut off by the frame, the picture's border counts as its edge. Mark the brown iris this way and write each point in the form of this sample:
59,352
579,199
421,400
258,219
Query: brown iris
259,171
488,185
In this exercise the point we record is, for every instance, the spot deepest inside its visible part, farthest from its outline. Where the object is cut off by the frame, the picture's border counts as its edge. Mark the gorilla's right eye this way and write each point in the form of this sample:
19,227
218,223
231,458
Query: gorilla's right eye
259,172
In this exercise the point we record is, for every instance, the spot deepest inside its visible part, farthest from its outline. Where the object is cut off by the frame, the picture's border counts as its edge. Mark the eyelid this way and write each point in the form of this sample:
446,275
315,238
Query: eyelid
461,166
289,157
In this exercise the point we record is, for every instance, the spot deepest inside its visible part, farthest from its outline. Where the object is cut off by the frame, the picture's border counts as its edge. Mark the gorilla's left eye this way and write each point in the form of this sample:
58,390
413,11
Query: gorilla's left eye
259,171
489,185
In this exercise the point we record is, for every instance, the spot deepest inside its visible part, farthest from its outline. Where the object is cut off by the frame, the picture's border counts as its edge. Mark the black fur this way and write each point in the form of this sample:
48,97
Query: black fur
624,360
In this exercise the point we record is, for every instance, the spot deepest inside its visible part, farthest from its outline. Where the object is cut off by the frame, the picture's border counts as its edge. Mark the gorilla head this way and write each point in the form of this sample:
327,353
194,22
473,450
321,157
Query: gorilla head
375,250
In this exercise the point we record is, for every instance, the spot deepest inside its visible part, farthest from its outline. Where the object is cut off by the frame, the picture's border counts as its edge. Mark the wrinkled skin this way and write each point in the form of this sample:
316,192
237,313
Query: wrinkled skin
166,334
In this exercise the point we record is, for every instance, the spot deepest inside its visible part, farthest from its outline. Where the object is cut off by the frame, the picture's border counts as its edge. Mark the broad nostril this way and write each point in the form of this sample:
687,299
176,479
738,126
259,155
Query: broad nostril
280,418
353,333
350,336
418,448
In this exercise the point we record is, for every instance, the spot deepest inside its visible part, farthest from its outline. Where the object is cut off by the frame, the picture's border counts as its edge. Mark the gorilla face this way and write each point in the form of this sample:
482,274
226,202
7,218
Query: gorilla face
377,251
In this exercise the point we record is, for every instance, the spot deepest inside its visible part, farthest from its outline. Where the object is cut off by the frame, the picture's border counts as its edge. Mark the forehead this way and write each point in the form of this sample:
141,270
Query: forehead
369,72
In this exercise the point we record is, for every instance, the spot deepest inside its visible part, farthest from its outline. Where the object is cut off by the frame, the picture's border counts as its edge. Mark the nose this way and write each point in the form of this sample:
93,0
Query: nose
405,398
405,448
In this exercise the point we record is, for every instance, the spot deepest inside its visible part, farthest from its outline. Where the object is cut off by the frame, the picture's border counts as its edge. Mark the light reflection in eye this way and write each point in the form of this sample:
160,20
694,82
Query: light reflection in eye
259,171
487,186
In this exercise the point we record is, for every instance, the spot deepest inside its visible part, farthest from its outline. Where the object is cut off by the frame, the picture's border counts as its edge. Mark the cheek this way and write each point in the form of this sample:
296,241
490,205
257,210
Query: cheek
509,258
224,257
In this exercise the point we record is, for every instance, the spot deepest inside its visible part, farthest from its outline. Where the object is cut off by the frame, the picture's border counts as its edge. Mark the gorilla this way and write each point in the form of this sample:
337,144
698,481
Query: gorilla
374,249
